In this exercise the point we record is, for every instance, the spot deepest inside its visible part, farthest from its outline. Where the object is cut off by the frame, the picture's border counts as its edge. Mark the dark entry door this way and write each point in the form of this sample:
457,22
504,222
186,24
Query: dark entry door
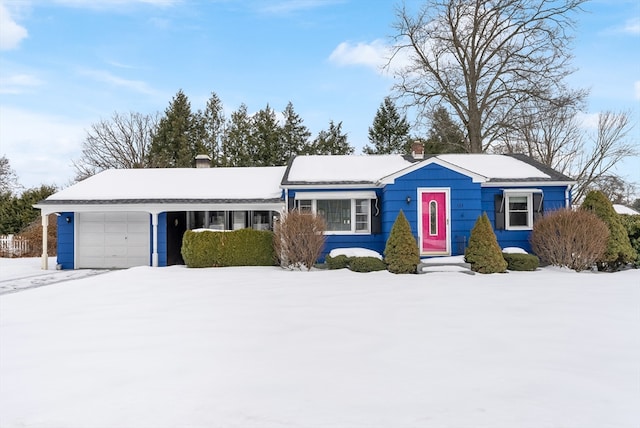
176,226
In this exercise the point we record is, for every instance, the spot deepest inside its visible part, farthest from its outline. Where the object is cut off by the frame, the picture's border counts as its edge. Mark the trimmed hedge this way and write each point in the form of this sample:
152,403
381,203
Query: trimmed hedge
366,264
483,252
401,252
356,264
632,226
521,262
245,247
338,262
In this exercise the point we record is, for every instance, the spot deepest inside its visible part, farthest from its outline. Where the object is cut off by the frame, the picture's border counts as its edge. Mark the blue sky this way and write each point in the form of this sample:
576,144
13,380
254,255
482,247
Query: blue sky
65,64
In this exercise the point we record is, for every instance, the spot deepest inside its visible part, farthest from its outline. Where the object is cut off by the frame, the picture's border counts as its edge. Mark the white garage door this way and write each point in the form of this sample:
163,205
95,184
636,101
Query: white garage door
112,239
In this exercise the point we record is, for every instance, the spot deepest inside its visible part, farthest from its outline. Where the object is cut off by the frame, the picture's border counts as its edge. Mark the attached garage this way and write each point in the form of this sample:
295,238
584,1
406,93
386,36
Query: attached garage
112,239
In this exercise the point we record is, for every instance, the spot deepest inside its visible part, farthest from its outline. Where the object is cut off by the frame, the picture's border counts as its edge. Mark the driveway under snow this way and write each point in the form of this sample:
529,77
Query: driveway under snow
263,347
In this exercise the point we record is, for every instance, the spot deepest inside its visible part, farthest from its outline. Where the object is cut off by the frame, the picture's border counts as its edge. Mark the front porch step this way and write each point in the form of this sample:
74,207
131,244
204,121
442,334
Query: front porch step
444,267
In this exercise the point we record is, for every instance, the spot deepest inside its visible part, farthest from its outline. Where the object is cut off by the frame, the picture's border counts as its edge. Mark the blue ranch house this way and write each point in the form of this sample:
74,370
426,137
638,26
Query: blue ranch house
125,218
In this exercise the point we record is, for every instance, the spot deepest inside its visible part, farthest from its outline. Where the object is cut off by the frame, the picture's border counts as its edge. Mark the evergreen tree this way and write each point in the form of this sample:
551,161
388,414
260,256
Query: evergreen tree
389,132
265,136
294,135
174,145
401,251
331,142
483,252
213,127
445,136
619,250
237,148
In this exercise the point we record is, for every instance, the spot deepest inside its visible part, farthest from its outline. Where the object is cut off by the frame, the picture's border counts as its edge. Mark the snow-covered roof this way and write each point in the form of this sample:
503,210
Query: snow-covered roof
166,184
344,168
374,169
494,166
623,209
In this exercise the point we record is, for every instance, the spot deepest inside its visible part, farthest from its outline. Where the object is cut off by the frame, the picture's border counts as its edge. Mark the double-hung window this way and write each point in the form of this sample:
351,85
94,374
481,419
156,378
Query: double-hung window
516,209
342,214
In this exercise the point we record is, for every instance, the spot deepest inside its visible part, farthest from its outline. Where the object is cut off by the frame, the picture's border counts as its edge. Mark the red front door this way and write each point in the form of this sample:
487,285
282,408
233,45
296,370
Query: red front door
434,237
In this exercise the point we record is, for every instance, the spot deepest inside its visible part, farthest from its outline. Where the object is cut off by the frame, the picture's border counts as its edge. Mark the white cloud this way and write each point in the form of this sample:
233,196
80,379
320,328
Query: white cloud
632,26
107,77
11,33
374,55
40,147
18,83
111,4
289,6
588,120
636,87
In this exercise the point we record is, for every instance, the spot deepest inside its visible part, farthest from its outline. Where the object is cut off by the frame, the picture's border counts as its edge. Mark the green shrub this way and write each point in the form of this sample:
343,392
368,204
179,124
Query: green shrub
567,238
401,252
632,224
366,264
483,252
619,251
521,262
338,262
245,247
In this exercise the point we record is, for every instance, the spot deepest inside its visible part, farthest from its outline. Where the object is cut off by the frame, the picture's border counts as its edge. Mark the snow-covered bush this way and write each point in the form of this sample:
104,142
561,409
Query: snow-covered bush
299,239
573,239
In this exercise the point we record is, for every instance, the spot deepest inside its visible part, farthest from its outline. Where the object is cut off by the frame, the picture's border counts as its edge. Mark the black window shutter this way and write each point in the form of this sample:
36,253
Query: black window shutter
538,206
498,204
376,217
292,204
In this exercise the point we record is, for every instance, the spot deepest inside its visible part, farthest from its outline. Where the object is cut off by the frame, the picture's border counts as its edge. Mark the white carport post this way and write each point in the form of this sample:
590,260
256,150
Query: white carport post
45,226
154,254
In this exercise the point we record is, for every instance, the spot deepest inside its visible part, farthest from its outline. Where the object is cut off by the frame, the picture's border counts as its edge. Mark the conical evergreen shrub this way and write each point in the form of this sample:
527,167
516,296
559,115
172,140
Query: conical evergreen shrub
619,250
401,252
483,252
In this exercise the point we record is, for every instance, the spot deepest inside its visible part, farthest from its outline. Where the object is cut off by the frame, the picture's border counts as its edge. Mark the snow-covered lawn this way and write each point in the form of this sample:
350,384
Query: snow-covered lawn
264,347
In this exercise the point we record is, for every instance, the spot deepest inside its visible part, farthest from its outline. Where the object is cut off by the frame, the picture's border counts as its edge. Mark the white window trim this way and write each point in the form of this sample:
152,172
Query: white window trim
507,216
304,196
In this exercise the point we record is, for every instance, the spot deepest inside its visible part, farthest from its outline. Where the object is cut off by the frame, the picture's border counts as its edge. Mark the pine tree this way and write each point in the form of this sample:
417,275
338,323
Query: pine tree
389,132
401,252
619,250
237,149
265,136
214,123
174,143
483,252
294,135
331,142
445,136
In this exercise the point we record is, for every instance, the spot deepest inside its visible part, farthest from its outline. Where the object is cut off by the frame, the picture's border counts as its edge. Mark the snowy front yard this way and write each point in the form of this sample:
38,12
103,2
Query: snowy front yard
263,347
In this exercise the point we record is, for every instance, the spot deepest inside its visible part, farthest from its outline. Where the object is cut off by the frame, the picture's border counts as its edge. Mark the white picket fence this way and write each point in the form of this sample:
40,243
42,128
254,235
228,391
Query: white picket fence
11,246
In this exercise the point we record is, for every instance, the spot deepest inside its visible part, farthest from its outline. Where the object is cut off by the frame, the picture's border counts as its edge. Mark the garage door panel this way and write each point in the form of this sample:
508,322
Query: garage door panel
113,239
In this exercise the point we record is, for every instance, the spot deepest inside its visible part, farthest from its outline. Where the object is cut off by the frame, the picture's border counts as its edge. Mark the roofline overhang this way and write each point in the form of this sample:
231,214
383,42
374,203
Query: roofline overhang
331,185
529,183
390,179
49,207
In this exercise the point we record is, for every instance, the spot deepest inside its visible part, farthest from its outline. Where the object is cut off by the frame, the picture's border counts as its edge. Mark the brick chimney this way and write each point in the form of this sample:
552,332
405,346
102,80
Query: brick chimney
203,161
417,150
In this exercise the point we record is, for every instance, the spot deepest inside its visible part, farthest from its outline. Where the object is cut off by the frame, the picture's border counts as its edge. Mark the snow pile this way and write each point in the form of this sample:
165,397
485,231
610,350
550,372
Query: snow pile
354,252
514,250
264,347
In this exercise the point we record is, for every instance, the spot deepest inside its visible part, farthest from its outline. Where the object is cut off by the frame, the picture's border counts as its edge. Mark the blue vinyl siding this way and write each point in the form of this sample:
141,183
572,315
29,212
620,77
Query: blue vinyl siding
374,242
162,239
465,204
65,240
553,199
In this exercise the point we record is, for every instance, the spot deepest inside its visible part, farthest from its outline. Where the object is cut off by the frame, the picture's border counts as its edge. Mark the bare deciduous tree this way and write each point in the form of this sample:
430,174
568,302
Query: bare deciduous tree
120,142
483,58
599,156
8,177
